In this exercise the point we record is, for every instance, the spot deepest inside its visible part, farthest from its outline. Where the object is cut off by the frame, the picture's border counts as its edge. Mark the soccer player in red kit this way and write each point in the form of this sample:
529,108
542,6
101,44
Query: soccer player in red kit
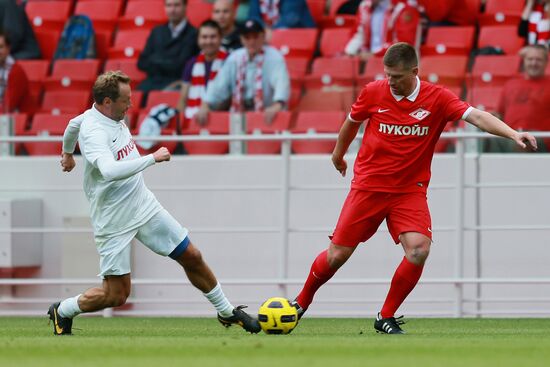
391,175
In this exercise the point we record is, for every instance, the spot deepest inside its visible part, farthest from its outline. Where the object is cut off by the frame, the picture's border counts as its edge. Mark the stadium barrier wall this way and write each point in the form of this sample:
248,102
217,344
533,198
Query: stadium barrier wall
260,221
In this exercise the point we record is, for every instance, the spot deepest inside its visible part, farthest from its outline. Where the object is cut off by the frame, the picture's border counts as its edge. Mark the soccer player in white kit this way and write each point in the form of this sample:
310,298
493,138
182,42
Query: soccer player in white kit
122,208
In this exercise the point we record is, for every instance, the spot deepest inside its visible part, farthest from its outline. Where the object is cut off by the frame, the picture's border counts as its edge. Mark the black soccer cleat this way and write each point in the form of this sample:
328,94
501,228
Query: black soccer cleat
298,308
389,325
242,319
61,325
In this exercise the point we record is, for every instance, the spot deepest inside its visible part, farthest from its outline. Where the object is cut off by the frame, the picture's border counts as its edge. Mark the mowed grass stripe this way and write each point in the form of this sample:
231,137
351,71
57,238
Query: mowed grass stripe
315,342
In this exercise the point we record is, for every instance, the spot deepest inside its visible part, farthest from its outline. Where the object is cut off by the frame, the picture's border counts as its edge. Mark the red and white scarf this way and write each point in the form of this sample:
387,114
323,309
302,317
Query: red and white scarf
539,24
270,11
197,89
364,15
237,104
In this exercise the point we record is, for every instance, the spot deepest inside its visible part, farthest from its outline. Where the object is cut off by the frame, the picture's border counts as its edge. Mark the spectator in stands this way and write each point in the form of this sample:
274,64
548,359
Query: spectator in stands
202,68
525,101
14,22
223,13
14,85
281,14
382,23
168,48
535,22
253,78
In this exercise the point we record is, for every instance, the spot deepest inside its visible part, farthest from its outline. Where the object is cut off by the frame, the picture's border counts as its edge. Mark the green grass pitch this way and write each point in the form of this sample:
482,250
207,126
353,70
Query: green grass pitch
160,342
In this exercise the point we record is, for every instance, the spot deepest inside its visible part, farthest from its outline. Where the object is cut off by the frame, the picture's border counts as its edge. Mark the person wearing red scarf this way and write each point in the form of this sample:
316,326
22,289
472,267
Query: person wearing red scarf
535,22
202,68
381,23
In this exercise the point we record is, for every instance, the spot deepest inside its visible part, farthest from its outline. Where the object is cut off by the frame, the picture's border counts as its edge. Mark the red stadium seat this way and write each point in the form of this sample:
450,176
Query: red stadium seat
143,14
255,124
317,122
504,37
70,102
318,100
127,66
218,124
338,20
47,124
334,40
198,11
484,98
20,128
169,130
295,95
295,42
36,71
157,97
317,10
374,70
327,72
449,41
70,74
48,15
47,41
494,70
513,7
297,67
103,13
445,70
128,44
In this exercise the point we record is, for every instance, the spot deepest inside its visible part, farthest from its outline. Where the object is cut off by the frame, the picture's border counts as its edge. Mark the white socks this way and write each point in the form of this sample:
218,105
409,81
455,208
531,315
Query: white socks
219,301
69,307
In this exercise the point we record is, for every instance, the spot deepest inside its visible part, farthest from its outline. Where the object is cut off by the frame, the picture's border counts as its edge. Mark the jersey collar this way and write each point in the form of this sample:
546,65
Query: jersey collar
102,117
411,97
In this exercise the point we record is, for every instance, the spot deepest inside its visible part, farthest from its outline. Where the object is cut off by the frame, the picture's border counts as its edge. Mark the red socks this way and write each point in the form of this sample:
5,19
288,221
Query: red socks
404,280
319,274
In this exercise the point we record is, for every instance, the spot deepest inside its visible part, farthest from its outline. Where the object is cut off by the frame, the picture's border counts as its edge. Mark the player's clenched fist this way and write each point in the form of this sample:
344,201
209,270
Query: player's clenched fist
67,162
340,164
161,155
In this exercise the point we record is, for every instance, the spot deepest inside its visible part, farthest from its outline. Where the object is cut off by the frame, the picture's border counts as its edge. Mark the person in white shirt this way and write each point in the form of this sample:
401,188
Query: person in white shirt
122,208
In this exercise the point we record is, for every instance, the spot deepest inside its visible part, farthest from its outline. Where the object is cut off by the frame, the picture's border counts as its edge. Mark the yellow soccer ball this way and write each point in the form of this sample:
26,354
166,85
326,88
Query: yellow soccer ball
277,316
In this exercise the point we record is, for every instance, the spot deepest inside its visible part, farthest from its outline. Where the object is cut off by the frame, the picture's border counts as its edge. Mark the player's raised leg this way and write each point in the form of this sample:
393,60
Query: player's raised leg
113,293
323,268
202,277
407,274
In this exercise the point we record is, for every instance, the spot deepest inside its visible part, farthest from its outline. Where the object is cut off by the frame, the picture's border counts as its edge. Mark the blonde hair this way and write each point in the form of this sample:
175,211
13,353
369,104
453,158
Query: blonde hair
107,85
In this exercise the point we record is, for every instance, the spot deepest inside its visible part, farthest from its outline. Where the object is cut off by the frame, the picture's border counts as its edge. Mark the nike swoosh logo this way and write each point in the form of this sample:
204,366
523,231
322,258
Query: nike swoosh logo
115,140
429,229
382,111
274,320
57,328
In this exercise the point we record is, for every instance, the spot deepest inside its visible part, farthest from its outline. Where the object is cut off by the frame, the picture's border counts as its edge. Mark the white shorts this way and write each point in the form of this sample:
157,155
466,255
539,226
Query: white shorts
162,234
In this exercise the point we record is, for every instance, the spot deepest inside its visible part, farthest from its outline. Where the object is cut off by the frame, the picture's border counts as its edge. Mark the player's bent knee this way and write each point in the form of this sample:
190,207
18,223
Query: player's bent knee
180,249
337,256
418,254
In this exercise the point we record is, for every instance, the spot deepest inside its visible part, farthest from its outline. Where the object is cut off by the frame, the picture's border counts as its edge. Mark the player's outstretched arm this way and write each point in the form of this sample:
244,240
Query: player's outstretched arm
113,170
70,137
491,124
348,132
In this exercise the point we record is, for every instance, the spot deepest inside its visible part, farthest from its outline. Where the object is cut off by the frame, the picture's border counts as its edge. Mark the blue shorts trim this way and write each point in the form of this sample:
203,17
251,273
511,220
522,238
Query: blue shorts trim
180,249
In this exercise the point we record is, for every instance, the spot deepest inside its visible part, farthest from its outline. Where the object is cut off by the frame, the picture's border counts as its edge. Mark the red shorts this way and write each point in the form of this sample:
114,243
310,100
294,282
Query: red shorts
364,211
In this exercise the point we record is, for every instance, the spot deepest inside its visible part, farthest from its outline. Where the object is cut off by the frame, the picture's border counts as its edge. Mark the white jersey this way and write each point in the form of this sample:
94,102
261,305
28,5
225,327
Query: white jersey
113,183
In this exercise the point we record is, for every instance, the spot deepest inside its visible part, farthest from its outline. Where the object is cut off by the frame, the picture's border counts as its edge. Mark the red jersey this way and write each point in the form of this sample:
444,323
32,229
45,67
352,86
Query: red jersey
525,103
400,136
